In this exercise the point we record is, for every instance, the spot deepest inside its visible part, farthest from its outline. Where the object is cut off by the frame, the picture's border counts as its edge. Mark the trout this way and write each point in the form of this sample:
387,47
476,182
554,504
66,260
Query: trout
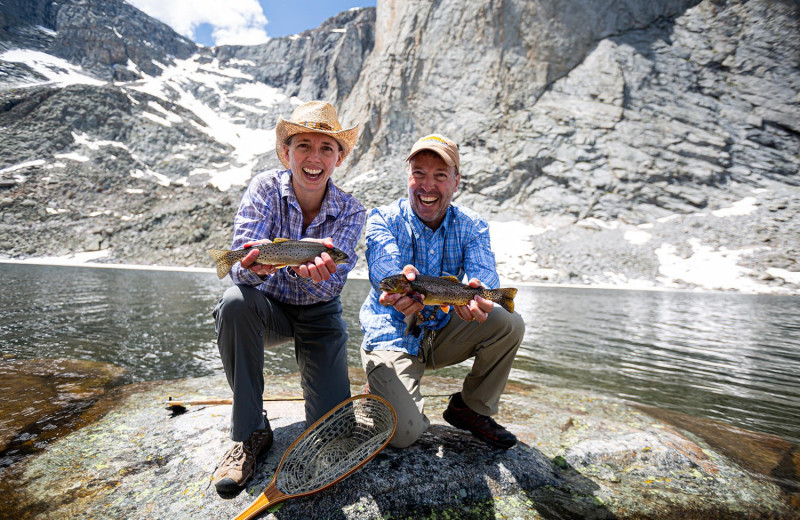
447,291
280,253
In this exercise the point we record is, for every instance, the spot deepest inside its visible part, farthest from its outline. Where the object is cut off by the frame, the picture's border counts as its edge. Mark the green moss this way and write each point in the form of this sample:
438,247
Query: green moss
560,462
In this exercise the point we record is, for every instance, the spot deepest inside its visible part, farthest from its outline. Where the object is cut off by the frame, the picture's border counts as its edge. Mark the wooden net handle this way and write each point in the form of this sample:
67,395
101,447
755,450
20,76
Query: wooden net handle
268,498
272,495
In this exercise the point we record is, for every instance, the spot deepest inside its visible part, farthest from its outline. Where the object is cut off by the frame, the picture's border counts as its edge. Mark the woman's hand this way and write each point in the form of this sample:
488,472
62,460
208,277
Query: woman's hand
322,267
249,261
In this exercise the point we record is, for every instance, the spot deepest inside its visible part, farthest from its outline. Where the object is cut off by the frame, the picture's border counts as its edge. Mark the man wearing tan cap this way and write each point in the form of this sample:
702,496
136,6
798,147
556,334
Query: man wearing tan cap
427,234
269,306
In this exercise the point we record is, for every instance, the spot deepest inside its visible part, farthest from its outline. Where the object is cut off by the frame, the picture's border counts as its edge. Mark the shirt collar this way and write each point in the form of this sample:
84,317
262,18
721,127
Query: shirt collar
330,206
287,191
420,227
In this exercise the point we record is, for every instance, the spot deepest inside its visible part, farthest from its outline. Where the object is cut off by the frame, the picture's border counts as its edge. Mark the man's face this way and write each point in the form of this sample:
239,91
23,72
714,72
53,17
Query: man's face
431,185
312,159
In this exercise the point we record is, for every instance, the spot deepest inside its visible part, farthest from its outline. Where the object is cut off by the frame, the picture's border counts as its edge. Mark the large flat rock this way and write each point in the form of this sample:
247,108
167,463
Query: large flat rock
580,456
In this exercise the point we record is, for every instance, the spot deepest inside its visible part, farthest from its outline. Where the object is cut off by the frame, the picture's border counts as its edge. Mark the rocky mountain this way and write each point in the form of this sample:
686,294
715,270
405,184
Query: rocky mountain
633,143
104,38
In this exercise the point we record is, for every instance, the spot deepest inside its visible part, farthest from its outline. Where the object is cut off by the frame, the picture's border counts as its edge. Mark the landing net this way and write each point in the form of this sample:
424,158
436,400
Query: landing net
337,445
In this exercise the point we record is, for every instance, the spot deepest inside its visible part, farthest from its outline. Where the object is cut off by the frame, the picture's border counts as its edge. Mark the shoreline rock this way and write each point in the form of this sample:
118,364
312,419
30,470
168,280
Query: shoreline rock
580,456
87,259
43,398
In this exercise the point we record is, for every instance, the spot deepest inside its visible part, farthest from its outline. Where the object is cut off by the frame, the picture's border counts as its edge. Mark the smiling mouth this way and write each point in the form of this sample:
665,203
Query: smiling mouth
312,173
427,200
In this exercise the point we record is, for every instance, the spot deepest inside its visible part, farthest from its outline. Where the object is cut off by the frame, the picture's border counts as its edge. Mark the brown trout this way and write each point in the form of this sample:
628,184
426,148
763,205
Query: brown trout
280,253
446,291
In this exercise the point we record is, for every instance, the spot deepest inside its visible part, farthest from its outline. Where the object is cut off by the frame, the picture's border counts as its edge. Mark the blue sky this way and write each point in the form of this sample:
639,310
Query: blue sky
243,22
291,17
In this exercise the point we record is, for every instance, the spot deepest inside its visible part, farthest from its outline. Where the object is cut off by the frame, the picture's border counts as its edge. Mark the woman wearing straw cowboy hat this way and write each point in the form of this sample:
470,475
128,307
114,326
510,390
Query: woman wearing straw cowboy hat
269,306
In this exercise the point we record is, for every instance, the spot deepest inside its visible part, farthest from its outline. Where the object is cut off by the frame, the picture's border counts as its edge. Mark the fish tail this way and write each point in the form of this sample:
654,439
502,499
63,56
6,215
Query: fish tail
223,261
503,297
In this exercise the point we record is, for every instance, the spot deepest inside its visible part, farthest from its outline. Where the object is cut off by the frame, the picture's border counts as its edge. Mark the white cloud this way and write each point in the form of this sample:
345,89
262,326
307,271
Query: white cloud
234,22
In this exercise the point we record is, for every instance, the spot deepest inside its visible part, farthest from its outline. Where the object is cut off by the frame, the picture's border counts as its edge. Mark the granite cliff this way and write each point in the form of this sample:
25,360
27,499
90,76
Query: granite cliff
626,143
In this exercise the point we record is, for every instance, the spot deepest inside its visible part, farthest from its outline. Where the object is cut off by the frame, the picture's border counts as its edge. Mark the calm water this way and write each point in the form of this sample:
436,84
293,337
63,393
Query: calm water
732,358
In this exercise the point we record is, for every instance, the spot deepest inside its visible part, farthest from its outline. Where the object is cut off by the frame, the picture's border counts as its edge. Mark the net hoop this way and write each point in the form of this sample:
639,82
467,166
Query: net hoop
373,426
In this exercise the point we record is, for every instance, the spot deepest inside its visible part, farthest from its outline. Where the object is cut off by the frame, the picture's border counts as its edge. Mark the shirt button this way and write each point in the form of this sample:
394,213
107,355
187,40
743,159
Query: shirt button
431,251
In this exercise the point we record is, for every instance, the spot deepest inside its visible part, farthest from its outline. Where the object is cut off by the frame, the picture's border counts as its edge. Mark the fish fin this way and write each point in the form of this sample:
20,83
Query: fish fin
445,308
279,266
279,240
417,297
223,262
451,279
412,326
503,297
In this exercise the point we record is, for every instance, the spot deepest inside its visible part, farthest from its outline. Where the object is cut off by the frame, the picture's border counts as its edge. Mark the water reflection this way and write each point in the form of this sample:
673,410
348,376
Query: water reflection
733,358
155,324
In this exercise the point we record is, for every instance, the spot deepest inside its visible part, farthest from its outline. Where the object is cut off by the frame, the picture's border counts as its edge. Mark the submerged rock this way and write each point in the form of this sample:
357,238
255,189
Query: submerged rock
43,399
580,456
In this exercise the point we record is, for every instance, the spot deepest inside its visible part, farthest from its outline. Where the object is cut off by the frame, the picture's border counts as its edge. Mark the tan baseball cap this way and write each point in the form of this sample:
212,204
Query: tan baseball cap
444,147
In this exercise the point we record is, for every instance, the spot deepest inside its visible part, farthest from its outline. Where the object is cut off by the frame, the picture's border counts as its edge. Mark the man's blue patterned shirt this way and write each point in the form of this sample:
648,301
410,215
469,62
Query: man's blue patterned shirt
396,237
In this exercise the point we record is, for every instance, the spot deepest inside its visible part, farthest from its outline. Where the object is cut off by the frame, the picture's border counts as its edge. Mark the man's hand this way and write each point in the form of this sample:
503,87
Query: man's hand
409,303
322,267
477,309
249,261
410,272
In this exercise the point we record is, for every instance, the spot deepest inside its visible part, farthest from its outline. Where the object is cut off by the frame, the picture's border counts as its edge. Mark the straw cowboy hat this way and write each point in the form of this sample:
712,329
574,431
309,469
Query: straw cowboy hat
314,116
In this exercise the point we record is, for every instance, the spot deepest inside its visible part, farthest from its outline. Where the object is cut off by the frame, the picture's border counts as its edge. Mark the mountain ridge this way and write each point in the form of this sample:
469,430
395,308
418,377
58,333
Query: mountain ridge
630,142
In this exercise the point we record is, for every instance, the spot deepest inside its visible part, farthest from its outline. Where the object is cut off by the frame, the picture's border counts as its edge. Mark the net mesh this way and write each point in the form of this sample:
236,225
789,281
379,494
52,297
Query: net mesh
349,436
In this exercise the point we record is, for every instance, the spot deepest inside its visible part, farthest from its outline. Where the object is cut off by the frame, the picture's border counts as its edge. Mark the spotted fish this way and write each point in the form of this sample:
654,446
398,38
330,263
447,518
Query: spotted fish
279,253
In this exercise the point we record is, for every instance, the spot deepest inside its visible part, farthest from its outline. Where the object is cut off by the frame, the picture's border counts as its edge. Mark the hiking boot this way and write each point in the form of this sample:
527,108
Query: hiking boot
239,463
481,426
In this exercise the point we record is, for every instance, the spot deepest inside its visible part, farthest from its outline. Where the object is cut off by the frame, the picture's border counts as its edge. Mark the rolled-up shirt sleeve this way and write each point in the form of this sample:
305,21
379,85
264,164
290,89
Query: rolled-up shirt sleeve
251,223
383,251
479,260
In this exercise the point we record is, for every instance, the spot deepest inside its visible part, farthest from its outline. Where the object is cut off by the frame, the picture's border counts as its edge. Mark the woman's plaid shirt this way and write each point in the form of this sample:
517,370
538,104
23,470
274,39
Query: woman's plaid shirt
269,209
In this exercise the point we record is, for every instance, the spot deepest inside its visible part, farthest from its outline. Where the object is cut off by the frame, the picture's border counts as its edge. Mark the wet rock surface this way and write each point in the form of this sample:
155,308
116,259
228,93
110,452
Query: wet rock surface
43,399
579,456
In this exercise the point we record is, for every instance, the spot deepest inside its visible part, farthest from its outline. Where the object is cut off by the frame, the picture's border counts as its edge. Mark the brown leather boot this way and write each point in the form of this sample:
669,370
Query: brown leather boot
481,426
239,463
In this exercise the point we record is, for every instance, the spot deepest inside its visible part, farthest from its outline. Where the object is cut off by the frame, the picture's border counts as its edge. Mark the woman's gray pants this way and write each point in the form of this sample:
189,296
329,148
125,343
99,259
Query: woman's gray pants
248,321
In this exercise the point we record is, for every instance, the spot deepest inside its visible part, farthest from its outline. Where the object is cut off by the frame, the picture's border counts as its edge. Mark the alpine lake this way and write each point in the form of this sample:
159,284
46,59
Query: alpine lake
68,334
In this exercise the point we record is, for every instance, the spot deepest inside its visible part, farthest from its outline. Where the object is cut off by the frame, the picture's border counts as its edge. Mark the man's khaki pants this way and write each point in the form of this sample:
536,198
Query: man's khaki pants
396,376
